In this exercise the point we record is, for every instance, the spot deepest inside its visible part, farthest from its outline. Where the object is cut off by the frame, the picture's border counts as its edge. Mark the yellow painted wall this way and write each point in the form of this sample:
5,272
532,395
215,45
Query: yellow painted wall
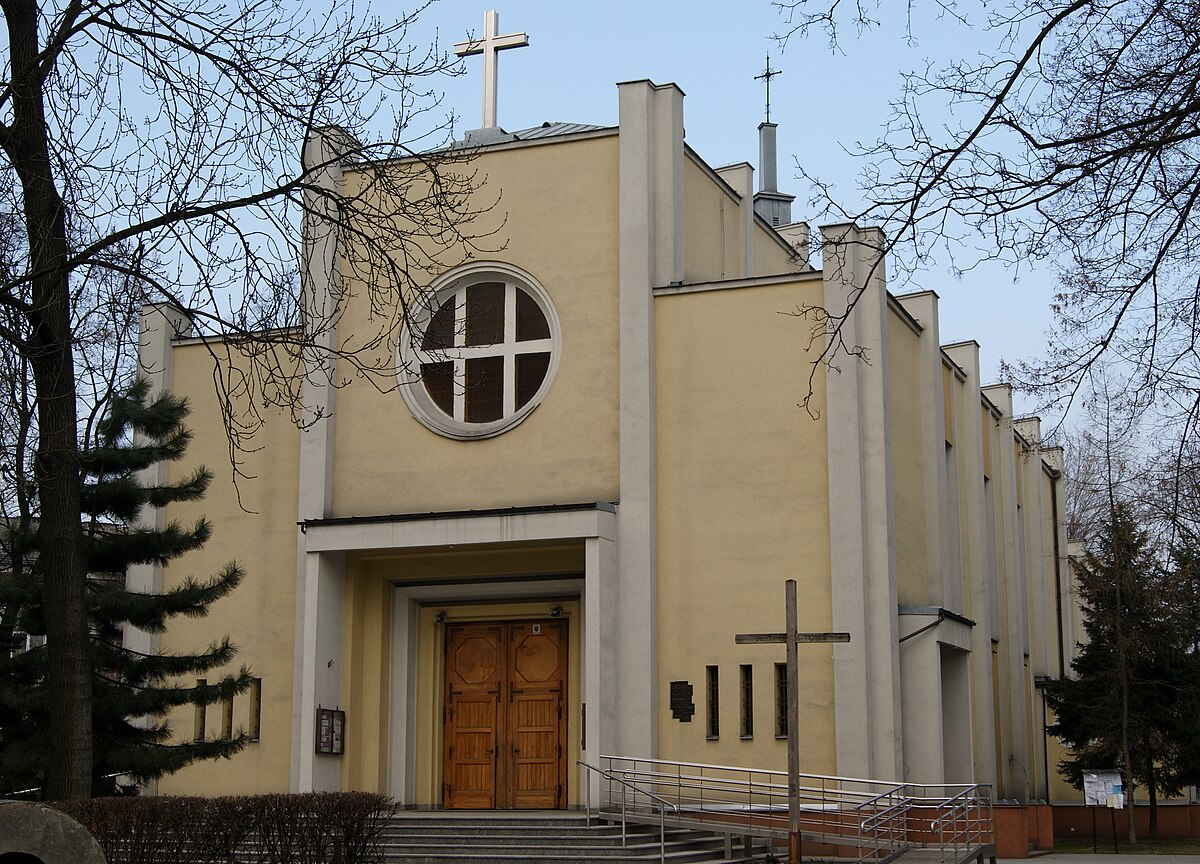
557,219
711,227
259,615
908,462
366,678
770,257
743,506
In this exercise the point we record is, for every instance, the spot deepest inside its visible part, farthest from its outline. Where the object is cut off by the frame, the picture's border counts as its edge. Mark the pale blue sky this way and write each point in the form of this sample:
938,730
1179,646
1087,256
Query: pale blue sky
712,50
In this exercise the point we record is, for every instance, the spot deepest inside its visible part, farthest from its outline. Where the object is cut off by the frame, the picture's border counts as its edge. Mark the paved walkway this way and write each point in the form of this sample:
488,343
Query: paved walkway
1106,858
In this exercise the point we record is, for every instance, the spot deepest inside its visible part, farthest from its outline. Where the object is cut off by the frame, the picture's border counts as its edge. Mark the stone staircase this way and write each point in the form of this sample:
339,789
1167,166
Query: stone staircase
441,837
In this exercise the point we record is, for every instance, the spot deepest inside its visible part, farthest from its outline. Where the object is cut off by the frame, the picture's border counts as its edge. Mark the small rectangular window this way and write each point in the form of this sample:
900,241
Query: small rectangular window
713,711
226,718
198,723
747,701
254,724
781,700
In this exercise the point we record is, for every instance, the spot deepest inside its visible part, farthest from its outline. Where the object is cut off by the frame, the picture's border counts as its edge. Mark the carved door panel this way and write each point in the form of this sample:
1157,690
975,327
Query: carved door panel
504,734
475,677
536,715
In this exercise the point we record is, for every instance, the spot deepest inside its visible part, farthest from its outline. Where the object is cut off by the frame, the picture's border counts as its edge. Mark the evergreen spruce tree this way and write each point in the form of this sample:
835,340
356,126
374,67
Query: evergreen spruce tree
133,692
1131,700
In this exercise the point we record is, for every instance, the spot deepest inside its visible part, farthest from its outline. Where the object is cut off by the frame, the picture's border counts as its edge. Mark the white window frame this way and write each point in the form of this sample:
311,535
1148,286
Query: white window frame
410,355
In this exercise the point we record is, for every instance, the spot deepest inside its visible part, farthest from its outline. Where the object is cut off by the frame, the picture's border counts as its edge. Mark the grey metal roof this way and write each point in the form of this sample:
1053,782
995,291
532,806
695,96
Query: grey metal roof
550,130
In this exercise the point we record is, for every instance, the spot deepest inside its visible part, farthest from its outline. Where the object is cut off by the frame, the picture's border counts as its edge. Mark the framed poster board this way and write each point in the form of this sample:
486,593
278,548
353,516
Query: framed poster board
1103,789
331,731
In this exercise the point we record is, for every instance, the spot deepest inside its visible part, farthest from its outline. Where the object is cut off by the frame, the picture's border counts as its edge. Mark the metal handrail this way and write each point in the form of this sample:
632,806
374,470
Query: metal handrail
662,802
874,816
959,808
762,794
770,771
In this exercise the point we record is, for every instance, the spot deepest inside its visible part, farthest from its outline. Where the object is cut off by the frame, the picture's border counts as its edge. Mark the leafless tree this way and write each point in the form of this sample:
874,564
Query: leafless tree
1072,141
151,152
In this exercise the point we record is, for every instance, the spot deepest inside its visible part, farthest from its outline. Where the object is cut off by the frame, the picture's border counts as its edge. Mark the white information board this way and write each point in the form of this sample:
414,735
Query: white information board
1103,789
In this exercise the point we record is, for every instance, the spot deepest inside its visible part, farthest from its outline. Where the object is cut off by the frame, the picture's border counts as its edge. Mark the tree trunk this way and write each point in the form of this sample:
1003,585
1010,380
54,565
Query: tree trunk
51,357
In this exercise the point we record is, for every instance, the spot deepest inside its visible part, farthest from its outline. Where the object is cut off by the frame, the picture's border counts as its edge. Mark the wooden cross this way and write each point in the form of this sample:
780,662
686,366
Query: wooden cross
793,639
488,46
767,75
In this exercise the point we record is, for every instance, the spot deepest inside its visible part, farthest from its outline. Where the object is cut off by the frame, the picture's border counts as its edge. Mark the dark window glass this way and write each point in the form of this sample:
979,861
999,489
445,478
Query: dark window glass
439,384
485,313
198,730
531,372
255,724
531,323
485,389
713,686
747,701
439,334
781,701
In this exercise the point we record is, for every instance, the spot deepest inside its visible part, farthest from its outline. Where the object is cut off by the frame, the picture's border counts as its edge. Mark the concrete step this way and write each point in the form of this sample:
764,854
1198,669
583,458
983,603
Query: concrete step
438,837
487,837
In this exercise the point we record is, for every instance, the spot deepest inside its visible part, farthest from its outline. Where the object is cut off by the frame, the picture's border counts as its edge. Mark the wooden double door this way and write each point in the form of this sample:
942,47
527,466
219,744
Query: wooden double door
504,734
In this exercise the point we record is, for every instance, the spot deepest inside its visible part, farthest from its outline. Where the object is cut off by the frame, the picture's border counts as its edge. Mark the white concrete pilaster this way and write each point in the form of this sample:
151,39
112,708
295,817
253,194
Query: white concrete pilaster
920,671
651,254
321,679
318,594
158,326
862,556
944,577
600,655
1014,645
741,178
797,236
974,528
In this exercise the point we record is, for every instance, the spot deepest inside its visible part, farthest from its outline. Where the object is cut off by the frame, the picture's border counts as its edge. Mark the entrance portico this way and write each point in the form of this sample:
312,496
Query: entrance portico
374,602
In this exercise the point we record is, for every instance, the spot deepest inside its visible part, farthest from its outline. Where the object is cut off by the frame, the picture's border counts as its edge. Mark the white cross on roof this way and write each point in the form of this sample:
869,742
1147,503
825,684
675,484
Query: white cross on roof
488,46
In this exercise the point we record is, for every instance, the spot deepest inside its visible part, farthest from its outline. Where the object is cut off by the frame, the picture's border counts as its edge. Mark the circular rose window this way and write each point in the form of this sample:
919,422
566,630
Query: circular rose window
481,354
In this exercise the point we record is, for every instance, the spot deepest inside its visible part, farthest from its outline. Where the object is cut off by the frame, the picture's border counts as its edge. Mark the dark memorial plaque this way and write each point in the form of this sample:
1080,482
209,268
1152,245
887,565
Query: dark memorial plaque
682,706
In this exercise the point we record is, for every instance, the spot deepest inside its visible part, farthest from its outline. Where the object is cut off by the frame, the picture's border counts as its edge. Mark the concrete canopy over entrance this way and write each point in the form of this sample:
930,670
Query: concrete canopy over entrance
372,608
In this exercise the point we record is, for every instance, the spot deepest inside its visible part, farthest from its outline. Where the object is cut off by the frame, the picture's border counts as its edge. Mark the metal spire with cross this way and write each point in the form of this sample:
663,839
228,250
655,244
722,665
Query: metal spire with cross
793,639
767,75
488,46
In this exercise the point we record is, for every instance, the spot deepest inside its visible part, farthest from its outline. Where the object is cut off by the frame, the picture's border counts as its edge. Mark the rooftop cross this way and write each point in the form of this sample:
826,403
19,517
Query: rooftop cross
488,46
767,75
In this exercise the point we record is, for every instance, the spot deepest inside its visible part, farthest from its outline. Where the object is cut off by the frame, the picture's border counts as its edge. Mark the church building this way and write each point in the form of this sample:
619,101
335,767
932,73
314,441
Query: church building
605,446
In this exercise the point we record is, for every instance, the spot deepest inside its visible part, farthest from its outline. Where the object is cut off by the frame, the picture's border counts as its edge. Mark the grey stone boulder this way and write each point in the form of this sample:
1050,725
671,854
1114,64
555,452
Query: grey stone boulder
55,838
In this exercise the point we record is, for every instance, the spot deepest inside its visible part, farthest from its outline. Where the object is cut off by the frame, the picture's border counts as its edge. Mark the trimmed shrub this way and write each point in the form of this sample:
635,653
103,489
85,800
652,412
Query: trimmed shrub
315,828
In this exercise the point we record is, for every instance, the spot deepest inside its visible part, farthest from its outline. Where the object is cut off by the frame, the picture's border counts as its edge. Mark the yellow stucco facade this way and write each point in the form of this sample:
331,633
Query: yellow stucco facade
631,461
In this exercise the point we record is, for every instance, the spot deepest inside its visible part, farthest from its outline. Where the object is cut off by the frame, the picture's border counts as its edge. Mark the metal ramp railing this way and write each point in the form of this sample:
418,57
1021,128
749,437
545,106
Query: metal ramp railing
866,820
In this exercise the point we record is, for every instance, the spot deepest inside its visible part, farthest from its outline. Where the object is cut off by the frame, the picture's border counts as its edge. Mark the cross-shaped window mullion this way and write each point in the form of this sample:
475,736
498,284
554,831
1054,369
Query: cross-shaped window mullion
460,362
510,342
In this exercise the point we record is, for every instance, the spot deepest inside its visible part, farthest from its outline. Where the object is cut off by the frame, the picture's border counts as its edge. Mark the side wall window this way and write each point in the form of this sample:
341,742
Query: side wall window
747,701
781,700
713,708
254,724
198,730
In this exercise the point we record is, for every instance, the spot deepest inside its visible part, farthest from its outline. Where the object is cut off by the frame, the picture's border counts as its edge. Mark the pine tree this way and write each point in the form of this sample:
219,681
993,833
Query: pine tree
1131,700
132,692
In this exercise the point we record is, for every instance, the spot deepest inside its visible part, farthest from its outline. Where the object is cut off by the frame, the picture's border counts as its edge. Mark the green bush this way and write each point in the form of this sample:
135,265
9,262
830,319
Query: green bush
315,828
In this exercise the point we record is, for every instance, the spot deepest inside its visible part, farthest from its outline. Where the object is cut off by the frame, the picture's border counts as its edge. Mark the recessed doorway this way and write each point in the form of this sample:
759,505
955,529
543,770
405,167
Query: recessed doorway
504,725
